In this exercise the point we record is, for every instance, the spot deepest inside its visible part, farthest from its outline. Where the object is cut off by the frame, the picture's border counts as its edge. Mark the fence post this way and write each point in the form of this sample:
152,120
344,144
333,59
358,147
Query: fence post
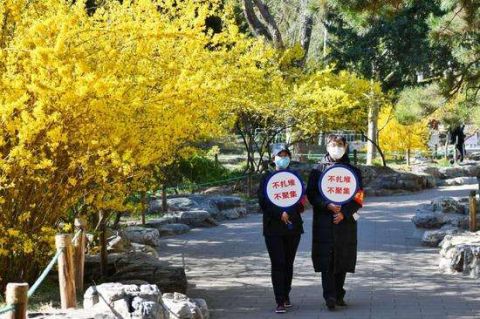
79,253
65,271
473,211
355,157
16,294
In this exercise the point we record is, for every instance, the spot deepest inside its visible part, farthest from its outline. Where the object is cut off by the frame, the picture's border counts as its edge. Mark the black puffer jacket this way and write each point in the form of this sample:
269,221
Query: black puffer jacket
272,223
328,239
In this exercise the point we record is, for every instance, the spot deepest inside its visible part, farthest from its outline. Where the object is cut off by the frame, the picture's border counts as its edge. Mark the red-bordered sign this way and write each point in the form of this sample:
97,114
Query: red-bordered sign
284,188
338,184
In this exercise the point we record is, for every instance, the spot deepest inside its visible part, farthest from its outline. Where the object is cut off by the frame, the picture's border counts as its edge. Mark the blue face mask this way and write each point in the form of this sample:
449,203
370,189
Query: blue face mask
282,162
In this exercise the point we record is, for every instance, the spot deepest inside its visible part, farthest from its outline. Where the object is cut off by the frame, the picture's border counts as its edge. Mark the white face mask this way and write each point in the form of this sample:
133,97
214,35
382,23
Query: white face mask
336,152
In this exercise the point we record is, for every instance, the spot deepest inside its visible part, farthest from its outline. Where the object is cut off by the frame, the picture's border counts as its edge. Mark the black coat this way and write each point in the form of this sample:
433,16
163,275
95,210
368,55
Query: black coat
272,223
341,239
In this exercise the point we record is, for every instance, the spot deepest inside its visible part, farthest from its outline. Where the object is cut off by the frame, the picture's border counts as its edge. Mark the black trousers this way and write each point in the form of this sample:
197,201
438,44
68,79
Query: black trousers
460,151
282,251
332,282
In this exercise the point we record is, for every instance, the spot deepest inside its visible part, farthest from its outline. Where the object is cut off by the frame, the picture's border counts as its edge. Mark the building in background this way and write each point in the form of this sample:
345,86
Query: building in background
472,143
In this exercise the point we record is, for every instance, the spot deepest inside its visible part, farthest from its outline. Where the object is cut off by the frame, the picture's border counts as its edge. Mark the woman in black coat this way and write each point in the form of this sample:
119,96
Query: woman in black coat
334,236
282,228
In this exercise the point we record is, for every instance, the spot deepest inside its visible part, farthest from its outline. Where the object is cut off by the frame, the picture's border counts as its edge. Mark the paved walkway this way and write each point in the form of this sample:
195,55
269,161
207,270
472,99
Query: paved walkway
396,277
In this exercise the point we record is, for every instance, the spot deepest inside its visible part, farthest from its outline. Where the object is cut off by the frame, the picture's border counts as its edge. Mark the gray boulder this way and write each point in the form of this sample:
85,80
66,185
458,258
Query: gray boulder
460,181
125,301
127,268
182,204
427,170
194,218
159,222
146,249
218,207
179,306
461,254
143,235
173,229
118,243
472,169
432,238
447,205
428,219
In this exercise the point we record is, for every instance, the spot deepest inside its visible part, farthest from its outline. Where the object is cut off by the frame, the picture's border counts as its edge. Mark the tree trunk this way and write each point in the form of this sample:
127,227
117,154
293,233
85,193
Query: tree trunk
305,31
103,244
270,21
255,24
384,163
446,146
143,206
372,132
164,198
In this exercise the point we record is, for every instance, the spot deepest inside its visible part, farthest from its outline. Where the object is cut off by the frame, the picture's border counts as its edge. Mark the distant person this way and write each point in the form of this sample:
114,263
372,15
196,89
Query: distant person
282,229
334,237
458,139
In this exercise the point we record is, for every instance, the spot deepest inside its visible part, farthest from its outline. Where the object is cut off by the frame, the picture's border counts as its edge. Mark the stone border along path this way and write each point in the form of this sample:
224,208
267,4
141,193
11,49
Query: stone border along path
396,277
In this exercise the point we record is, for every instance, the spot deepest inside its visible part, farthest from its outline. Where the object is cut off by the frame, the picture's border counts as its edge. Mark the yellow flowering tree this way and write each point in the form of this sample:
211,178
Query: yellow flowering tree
395,137
91,102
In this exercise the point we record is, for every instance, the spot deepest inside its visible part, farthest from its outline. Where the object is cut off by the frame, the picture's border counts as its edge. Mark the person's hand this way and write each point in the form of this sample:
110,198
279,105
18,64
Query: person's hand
334,208
285,218
337,218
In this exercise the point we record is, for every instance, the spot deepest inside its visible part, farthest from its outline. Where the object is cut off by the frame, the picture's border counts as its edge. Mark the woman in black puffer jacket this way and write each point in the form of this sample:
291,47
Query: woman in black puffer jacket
334,235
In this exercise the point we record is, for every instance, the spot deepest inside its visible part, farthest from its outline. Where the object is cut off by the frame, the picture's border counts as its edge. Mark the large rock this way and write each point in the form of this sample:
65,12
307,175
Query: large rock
124,301
447,205
194,218
159,222
118,243
460,181
146,249
119,301
182,204
218,207
459,171
173,229
432,238
179,306
384,181
461,254
143,235
434,219
129,267
426,169
428,219
441,211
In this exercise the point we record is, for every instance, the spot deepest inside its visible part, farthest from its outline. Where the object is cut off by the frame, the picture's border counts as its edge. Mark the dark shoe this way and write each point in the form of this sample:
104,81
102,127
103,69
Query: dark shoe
288,304
341,303
330,304
280,309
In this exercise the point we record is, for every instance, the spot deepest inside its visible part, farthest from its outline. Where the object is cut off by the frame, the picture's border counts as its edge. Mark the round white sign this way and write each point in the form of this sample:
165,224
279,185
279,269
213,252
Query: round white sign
338,184
284,189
